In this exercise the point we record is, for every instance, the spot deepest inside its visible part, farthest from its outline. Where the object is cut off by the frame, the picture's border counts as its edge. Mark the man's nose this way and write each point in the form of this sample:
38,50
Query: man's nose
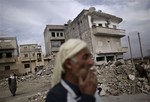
90,61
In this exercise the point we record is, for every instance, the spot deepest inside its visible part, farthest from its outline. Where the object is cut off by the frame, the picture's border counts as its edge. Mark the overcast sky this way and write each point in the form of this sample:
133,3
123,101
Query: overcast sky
27,19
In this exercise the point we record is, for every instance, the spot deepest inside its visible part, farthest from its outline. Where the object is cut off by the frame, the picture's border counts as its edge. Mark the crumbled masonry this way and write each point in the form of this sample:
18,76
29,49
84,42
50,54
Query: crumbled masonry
114,80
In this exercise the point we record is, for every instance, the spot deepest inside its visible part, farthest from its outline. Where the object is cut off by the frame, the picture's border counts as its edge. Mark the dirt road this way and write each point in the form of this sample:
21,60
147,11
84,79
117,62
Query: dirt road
25,90
31,87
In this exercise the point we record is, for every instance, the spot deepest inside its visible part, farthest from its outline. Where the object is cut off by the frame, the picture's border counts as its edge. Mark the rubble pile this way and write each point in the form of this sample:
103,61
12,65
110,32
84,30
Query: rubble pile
112,79
4,82
39,97
121,79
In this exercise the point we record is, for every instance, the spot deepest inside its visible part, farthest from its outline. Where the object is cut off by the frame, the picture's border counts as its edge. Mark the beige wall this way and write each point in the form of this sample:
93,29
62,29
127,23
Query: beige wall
51,42
81,27
29,54
106,44
8,62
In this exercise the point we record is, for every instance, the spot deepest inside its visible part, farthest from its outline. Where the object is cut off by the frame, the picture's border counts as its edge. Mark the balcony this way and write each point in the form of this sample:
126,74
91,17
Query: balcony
55,49
6,45
120,50
24,59
123,49
101,31
57,38
8,60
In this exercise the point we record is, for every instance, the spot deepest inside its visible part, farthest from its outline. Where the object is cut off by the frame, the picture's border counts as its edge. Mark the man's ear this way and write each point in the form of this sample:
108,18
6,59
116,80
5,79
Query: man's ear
68,64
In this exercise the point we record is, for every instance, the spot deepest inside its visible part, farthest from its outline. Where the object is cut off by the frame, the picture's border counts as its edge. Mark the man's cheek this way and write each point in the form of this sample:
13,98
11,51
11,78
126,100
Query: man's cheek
83,73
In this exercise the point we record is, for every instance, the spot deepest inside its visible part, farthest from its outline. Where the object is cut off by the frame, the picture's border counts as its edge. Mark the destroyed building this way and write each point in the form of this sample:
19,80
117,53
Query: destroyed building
54,38
8,55
101,32
31,57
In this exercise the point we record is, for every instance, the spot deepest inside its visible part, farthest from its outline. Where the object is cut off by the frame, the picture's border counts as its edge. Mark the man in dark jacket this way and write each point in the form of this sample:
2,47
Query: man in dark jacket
12,82
73,80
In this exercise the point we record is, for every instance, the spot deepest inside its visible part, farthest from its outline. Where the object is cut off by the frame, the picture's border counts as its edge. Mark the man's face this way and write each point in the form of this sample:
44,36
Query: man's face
81,63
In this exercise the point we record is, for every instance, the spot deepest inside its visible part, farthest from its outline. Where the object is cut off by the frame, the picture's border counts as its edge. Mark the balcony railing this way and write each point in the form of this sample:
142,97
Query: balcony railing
101,31
55,49
6,45
120,50
123,49
24,59
8,60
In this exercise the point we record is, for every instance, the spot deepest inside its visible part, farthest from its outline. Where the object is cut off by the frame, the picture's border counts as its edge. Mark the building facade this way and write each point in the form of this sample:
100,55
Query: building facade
54,38
9,55
31,57
101,32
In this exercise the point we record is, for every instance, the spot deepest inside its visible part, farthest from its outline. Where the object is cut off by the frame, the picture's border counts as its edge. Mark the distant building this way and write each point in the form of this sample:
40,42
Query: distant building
31,57
101,32
8,55
54,38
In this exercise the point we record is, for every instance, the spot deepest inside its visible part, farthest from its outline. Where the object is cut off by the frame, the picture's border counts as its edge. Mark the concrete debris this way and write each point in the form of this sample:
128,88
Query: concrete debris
40,72
39,97
131,77
120,79
112,80
104,89
4,82
103,92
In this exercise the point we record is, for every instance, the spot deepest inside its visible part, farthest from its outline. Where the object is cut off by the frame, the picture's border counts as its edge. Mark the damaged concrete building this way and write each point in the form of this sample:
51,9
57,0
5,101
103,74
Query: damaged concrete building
101,32
31,57
54,38
8,55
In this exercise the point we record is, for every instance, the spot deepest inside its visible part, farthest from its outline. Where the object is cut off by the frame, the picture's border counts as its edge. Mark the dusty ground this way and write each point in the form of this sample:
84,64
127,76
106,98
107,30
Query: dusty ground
31,87
25,90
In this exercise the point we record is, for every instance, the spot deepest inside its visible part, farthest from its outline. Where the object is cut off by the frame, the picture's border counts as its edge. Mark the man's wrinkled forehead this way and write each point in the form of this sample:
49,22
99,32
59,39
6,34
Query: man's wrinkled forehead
84,51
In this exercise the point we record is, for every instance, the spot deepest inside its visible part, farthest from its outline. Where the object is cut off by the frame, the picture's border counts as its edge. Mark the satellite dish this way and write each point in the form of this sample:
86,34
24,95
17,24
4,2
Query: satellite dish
92,9
69,21
100,11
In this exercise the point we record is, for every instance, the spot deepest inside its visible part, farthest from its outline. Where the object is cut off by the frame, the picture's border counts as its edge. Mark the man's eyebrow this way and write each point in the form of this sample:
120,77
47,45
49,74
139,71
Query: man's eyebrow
87,54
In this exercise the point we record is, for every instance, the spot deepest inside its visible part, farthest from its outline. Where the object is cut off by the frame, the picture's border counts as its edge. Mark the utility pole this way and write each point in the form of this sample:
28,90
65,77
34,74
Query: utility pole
140,46
130,50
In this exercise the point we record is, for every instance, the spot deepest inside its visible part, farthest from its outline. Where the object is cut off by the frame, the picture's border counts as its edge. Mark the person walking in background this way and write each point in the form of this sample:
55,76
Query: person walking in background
73,80
12,82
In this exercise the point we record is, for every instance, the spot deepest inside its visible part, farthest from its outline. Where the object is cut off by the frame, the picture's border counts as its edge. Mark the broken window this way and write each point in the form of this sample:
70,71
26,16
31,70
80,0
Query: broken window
25,55
110,58
94,25
100,59
8,55
1,55
39,57
26,65
57,34
33,54
25,47
100,25
61,34
53,34
7,67
114,26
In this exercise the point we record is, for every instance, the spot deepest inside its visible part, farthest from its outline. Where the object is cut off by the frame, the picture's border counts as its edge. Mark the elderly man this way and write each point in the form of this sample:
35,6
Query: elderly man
73,80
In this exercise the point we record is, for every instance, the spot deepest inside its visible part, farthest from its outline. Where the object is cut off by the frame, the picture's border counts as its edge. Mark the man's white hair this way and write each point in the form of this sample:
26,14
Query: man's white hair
67,50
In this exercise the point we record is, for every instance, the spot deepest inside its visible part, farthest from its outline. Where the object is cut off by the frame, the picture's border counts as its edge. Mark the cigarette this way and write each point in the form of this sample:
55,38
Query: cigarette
92,68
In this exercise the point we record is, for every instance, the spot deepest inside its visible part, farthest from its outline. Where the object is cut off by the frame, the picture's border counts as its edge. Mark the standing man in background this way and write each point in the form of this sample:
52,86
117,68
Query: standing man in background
73,80
12,82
